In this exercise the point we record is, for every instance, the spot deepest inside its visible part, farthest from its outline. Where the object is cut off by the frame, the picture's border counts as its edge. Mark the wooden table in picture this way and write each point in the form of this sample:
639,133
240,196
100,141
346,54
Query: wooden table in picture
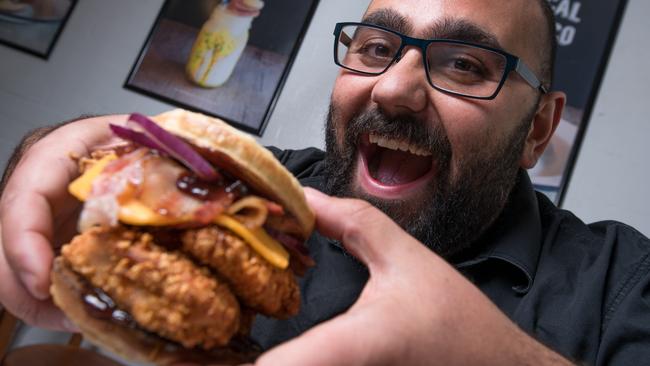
244,98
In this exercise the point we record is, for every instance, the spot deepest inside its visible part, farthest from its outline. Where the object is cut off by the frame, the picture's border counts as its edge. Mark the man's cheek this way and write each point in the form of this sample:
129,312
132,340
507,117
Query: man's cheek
469,142
352,94
337,124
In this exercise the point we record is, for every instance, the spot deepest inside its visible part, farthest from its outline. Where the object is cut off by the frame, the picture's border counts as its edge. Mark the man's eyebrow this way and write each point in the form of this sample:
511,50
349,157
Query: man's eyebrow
388,18
463,30
448,28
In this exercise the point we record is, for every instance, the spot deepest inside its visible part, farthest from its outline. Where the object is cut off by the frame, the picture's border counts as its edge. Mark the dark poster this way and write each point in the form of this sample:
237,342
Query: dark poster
226,58
33,26
585,33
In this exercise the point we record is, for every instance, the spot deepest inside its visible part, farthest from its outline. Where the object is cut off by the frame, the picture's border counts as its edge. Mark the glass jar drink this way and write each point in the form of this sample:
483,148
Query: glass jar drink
221,41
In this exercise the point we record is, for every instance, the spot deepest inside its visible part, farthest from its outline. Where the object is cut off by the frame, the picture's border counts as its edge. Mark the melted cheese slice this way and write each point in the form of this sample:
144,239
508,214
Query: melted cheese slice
81,187
258,239
136,213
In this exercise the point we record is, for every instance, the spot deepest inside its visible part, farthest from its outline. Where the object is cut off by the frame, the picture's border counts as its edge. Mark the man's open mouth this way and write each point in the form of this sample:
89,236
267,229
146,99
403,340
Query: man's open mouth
391,168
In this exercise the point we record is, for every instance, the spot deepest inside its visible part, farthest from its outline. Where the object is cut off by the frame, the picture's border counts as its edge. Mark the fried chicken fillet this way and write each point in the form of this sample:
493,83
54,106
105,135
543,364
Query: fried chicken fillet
163,291
259,285
167,294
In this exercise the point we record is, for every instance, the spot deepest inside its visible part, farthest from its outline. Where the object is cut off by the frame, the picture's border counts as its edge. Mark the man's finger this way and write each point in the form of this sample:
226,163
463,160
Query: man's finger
327,344
33,205
37,186
366,232
21,304
26,236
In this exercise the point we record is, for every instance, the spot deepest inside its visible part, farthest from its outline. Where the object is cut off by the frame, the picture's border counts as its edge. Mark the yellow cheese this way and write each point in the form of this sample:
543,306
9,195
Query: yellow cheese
81,187
136,213
258,239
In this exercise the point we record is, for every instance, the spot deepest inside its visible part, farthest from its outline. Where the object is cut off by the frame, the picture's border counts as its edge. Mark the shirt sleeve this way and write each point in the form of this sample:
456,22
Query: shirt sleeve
302,164
625,336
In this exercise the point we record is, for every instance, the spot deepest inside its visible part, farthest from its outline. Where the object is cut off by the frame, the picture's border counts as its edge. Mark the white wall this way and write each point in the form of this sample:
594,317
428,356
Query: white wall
95,52
98,47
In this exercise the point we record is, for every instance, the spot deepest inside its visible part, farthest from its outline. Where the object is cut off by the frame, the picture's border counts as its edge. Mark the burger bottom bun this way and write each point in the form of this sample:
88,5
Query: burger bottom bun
132,343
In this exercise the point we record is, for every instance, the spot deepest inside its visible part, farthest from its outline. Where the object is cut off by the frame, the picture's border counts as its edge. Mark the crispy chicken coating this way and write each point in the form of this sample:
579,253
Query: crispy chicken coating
258,284
164,291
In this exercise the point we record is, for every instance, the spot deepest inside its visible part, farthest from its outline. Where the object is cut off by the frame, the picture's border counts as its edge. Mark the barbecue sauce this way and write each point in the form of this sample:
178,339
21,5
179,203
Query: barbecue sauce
100,305
229,189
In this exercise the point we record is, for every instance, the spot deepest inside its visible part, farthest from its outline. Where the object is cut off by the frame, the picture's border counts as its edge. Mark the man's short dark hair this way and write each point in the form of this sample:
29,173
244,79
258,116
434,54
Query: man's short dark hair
550,44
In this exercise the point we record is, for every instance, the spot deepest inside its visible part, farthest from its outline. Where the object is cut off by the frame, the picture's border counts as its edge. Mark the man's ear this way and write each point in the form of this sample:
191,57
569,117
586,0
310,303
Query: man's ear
545,121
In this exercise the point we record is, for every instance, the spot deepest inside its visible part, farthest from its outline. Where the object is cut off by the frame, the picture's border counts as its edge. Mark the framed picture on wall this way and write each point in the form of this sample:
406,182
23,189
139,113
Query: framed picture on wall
33,26
226,58
585,31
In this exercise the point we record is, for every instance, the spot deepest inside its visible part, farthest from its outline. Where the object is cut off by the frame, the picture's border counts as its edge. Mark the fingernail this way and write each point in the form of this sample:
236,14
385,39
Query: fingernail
35,287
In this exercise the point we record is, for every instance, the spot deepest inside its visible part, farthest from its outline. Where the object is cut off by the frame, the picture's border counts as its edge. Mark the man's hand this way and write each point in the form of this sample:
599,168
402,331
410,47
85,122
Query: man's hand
415,309
37,215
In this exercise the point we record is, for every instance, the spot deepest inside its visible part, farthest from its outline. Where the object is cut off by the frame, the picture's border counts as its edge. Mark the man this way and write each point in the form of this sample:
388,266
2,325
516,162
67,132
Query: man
433,120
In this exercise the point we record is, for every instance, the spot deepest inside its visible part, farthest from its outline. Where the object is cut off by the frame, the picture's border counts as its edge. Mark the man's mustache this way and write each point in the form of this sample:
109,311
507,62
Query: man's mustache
428,136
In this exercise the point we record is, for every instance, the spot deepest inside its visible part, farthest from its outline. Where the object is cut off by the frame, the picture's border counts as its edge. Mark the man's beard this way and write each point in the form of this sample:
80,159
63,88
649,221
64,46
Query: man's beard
455,210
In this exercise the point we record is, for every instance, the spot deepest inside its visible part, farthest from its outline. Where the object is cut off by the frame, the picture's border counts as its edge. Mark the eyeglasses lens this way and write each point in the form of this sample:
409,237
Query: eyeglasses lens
455,67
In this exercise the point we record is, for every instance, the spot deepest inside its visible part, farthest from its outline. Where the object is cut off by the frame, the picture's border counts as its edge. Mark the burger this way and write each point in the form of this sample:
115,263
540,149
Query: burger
188,230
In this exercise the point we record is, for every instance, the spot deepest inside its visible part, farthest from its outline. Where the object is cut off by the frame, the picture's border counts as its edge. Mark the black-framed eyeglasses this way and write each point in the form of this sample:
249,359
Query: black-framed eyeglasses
455,67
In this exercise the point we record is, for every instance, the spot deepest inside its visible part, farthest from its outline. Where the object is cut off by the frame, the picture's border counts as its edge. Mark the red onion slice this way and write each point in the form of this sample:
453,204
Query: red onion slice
135,136
295,247
176,147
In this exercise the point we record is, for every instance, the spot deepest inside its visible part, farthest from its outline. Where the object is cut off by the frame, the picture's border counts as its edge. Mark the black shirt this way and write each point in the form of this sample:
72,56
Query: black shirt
583,290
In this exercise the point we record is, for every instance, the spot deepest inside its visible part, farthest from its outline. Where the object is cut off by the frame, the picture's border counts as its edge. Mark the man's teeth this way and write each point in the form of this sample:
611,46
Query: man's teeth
397,145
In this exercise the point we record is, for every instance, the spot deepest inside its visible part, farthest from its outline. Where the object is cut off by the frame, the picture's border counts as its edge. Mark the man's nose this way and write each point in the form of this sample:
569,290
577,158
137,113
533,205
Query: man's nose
403,88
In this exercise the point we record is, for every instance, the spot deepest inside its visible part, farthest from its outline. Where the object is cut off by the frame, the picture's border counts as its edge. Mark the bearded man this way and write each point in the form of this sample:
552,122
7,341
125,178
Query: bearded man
439,108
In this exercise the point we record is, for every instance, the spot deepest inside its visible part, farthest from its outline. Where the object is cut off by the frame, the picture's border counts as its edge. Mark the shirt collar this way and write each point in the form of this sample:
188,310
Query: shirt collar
515,238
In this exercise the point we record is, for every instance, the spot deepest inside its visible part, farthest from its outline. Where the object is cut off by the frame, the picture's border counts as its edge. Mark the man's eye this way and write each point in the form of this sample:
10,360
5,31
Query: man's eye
375,49
379,50
465,65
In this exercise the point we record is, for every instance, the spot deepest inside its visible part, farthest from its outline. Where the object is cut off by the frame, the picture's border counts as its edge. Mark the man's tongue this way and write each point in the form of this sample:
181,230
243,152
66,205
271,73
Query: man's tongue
393,168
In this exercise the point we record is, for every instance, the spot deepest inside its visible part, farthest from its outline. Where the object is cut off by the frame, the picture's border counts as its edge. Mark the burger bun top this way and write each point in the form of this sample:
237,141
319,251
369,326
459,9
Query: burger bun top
241,156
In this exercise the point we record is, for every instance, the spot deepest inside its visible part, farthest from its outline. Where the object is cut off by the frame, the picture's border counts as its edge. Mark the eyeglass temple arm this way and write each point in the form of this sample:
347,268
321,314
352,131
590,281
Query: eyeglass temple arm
529,76
345,39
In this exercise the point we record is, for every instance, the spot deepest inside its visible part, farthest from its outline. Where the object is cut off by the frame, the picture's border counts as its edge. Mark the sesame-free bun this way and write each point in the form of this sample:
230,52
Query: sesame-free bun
131,343
240,155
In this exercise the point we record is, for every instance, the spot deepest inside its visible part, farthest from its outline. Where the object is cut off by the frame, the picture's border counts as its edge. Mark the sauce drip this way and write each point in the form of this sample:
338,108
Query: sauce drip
100,305
210,191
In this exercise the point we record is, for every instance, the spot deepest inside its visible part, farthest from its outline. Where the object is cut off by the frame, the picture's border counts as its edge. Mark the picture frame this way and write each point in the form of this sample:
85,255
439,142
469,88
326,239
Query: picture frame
173,64
33,26
585,31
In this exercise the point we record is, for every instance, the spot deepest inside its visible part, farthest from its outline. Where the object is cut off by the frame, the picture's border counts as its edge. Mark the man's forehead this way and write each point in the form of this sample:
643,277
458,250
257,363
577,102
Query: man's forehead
504,21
